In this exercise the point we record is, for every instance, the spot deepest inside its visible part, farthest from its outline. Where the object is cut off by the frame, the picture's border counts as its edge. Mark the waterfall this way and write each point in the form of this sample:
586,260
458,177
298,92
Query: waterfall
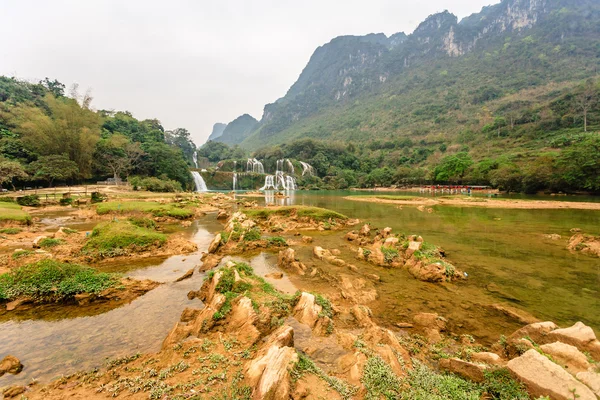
234,181
290,165
306,167
199,181
280,180
253,165
195,158
269,183
290,183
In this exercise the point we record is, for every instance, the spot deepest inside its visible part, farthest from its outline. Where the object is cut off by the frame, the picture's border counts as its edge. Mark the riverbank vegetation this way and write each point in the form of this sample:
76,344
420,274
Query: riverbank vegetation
12,213
173,210
48,137
117,238
50,280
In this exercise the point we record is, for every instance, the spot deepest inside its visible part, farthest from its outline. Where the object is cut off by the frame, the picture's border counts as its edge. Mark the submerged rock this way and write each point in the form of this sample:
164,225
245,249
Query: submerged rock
11,365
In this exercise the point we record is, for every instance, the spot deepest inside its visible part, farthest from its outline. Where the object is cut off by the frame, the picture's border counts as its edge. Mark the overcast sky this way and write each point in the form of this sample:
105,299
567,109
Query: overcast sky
190,63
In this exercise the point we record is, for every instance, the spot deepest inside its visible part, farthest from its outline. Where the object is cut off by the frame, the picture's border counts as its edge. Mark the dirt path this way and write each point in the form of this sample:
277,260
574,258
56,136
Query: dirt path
480,202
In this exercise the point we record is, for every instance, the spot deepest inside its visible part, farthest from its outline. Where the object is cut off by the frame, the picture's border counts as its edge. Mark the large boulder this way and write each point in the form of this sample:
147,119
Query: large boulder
591,379
536,331
485,357
578,335
10,364
542,377
568,356
241,322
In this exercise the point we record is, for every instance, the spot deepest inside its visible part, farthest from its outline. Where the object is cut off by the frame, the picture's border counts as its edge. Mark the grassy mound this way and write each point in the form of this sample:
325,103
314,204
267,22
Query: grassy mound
11,212
315,213
146,207
53,280
110,239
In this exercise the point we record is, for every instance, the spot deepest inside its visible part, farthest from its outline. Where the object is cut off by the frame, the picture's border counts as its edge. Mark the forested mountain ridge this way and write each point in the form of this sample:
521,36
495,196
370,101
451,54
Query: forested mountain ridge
48,137
235,131
507,47
509,96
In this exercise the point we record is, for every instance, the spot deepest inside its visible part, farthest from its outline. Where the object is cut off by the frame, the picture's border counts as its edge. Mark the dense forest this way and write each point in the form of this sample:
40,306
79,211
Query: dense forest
47,137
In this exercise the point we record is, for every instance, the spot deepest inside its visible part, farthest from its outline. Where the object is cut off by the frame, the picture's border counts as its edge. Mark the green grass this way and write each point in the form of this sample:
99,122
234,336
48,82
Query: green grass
50,242
115,238
12,212
11,231
306,365
21,253
380,381
53,280
148,207
315,213
389,254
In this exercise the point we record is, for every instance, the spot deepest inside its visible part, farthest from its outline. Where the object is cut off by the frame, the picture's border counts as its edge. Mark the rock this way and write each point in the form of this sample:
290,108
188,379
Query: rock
185,276
434,272
542,377
365,230
387,231
568,356
319,252
222,214
307,239
269,372
287,260
306,310
575,230
241,322
10,364
404,325
60,233
466,369
552,236
363,315
578,335
487,358
335,252
351,236
591,379
214,245
390,242
373,277
37,240
431,324
11,306
189,314
13,391
521,316
412,247
536,331
209,262
274,275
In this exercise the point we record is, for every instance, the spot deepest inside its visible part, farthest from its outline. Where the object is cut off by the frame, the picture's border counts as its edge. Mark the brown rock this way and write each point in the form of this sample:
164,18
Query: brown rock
274,275
404,325
542,377
214,245
222,214
185,276
365,230
16,303
10,364
363,315
307,239
209,262
287,260
568,356
242,320
487,358
351,236
387,231
306,310
430,320
536,331
515,313
13,391
466,369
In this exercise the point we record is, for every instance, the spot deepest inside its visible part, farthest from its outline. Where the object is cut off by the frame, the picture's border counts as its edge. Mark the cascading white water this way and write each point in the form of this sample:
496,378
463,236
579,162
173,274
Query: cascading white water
269,183
290,165
195,158
280,180
234,181
290,183
199,182
307,168
253,165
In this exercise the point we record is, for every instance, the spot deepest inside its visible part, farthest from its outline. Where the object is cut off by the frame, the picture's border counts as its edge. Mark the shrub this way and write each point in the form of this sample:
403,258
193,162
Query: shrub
66,201
389,254
50,279
252,235
32,200
277,241
21,253
10,231
153,184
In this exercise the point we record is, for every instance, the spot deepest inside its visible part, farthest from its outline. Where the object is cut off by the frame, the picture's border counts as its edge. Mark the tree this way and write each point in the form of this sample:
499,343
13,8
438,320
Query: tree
118,155
453,168
54,167
9,170
586,100
69,129
181,138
